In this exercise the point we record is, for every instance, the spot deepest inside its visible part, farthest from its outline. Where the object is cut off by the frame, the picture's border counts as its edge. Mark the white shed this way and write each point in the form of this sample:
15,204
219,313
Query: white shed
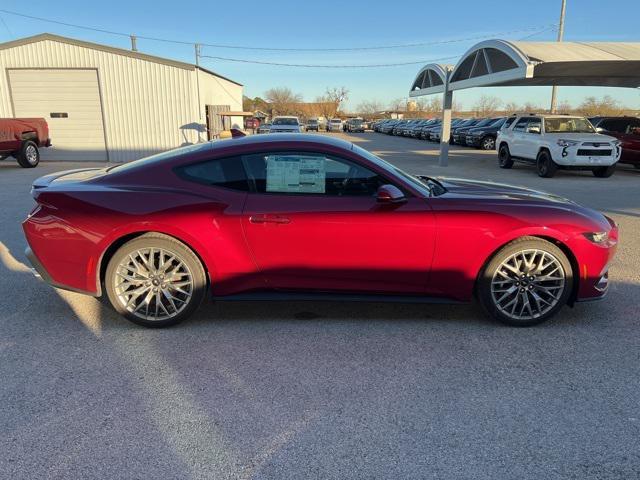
104,103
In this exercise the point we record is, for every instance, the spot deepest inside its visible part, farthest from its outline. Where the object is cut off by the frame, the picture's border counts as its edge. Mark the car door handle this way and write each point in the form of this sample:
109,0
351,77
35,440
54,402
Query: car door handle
269,219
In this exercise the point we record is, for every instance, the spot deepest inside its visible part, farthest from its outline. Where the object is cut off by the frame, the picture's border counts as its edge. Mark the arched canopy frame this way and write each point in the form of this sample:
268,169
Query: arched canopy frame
431,79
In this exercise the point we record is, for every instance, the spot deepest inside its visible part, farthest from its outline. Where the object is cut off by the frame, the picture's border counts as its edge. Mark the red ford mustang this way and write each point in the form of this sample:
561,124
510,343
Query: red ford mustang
309,217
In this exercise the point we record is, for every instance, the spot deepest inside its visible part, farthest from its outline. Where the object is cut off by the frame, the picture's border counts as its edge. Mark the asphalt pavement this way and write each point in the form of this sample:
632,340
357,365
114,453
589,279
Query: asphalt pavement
324,390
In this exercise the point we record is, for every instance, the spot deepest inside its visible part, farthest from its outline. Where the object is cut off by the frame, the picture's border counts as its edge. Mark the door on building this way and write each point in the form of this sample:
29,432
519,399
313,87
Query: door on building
69,99
215,122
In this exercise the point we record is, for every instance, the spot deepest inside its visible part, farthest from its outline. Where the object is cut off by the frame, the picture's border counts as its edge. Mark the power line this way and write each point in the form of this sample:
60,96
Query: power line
280,49
314,65
374,65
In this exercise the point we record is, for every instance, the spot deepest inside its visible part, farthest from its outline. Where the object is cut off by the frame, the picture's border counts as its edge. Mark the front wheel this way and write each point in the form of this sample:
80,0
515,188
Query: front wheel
604,172
29,156
526,282
545,165
155,281
488,143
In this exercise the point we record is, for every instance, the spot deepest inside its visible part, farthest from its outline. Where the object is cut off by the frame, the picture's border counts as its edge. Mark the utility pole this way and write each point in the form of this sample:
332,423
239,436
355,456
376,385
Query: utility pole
554,89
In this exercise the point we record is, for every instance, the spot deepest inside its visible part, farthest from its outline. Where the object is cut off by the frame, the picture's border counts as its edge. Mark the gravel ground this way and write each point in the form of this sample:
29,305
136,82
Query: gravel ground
323,390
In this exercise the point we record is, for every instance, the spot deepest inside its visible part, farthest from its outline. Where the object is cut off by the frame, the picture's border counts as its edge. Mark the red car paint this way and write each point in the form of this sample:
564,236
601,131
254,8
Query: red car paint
428,245
13,131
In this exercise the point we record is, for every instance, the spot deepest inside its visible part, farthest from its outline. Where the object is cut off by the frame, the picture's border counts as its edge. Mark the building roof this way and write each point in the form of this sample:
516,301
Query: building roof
105,48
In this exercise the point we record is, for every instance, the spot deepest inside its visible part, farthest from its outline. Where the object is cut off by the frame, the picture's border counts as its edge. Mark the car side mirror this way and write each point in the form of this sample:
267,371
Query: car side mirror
600,129
390,194
534,130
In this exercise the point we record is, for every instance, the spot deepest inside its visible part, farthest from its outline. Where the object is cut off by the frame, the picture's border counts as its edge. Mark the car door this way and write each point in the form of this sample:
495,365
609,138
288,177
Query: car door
517,140
531,138
313,223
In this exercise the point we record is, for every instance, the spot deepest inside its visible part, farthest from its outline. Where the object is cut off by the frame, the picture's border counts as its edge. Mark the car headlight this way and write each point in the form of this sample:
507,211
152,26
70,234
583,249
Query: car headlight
616,143
597,237
567,143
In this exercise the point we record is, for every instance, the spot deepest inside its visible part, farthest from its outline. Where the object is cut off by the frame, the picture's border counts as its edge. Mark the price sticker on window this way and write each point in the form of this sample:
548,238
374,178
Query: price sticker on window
296,174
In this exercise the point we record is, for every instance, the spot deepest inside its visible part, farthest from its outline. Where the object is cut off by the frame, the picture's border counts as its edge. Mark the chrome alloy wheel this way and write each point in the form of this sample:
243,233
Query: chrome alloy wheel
153,284
31,154
528,284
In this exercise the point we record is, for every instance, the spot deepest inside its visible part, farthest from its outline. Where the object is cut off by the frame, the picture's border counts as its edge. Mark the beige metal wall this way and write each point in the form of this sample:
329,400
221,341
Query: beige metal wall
148,107
218,91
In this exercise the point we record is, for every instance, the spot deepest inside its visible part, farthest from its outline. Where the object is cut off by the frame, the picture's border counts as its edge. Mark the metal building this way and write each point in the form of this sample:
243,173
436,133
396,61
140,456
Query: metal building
104,103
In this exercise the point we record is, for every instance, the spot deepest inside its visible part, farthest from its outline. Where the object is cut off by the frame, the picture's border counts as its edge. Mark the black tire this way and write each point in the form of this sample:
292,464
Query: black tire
29,155
545,165
504,157
488,143
173,246
483,285
604,172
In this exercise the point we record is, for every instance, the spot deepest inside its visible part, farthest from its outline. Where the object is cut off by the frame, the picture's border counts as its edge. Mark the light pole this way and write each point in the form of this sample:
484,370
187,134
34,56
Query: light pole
554,89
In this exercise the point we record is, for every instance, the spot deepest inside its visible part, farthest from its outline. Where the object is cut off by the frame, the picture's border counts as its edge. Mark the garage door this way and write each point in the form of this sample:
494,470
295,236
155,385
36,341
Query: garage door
70,102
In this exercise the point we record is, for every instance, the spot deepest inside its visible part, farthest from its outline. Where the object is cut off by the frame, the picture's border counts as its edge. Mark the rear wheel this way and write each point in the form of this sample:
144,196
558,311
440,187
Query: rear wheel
488,143
29,156
155,281
545,165
528,281
504,157
604,172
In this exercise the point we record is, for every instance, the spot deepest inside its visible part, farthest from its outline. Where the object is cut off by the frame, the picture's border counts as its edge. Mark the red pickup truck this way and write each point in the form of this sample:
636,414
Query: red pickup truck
22,137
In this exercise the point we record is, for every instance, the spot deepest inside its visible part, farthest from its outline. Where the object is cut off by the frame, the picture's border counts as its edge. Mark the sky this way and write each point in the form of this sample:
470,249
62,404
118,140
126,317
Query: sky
337,24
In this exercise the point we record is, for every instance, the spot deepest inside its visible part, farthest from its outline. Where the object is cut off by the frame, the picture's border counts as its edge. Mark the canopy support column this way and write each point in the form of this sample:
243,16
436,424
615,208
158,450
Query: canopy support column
447,102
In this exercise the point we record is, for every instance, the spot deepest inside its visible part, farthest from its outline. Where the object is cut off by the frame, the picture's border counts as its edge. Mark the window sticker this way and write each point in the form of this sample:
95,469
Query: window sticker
295,174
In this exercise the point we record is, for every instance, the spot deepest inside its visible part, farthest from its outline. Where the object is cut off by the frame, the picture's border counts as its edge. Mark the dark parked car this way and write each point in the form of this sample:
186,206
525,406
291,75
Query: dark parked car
354,125
460,135
470,122
303,217
484,137
387,127
313,125
399,127
625,129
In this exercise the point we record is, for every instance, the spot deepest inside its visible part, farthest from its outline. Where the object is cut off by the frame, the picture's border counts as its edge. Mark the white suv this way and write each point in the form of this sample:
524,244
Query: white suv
557,141
334,125
285,125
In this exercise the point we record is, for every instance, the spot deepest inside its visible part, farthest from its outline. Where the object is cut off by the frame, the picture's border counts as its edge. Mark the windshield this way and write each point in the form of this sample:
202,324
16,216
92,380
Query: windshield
312,122
285,121
336,120
422,186
568,125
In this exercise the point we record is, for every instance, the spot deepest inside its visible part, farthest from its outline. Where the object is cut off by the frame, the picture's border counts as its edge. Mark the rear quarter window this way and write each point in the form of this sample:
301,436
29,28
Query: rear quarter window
224,172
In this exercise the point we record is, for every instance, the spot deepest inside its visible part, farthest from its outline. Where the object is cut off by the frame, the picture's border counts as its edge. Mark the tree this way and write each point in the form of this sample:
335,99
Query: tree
337,95
606,106
486,105
282,100
511,107
326,106
370,107
564,107
530,107
253,104
398,105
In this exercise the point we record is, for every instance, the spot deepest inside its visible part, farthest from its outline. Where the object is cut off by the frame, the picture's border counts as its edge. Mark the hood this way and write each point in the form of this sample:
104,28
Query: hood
498,191
582,137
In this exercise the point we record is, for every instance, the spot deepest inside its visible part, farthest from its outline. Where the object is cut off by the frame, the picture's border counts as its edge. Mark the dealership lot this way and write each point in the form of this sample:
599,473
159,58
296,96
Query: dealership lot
324,390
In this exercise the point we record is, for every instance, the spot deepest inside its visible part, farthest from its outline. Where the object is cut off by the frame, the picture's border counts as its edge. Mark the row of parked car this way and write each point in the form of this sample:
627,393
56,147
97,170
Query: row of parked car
472,132
549,142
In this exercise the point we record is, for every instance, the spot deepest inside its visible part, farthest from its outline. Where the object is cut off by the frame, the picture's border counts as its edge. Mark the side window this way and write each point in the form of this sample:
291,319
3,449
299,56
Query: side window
310,173
534,126
508,122
521,124
224,172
